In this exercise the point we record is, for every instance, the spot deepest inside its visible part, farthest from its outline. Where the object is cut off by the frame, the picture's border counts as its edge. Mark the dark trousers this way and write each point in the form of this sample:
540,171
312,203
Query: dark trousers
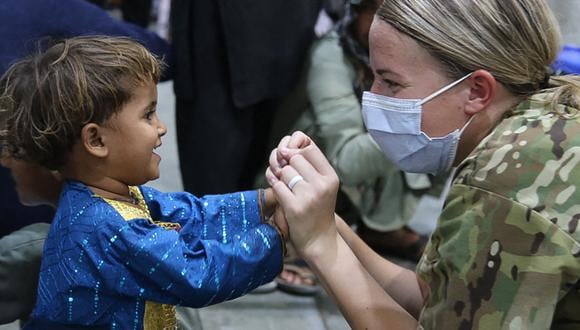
221,149
137,12
222,131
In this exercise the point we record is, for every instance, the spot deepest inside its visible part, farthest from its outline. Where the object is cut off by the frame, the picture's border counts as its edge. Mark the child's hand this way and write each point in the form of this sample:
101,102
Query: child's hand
279,220
274,214
269,203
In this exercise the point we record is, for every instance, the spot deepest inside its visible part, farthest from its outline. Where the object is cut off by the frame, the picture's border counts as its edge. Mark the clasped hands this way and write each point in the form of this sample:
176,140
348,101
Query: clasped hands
305,186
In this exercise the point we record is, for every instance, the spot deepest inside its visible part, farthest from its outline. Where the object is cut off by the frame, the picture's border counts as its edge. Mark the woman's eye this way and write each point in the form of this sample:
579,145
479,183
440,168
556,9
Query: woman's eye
386,86
390,83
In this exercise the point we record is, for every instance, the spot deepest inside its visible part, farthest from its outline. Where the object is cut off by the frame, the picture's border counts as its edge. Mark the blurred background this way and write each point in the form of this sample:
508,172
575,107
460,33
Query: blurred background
231,76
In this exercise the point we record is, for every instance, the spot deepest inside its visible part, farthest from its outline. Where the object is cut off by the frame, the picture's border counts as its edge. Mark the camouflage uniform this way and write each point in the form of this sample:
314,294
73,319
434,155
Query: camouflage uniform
506,252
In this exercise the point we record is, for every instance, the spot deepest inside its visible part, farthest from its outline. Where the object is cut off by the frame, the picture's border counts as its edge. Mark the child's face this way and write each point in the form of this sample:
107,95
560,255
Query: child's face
134,133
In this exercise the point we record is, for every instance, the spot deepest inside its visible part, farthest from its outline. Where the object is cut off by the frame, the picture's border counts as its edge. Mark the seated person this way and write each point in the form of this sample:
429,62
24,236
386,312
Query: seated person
20,251
119,254
384,197
377,195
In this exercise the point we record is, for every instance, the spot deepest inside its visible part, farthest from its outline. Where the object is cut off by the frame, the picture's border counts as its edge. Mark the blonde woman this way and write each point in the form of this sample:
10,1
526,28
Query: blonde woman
465,84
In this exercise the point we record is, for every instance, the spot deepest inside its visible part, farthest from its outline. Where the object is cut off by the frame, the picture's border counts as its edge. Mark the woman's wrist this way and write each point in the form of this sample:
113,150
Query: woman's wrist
320,245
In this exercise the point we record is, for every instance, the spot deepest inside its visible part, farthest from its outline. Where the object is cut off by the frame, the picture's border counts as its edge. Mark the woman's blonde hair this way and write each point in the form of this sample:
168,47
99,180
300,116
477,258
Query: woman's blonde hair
46,98
515,40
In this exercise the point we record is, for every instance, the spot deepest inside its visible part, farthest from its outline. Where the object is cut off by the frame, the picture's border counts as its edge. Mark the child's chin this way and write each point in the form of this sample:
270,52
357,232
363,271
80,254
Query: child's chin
154,176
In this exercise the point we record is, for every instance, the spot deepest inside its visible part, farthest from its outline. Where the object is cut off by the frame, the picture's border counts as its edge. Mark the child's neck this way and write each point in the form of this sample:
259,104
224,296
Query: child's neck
101,185
117,191
94,173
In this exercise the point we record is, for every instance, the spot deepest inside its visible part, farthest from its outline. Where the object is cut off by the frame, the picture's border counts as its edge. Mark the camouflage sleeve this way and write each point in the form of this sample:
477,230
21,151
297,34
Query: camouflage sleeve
494,263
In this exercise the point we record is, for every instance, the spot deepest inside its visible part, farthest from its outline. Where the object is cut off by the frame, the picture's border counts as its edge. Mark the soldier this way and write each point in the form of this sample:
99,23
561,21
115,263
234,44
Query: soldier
465,84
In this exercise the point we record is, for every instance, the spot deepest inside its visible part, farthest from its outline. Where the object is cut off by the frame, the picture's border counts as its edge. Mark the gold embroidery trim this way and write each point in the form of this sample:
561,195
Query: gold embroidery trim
131,211
157,316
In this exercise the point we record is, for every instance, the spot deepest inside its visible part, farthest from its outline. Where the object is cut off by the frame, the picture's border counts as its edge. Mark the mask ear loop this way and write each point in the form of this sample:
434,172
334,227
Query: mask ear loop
444,89
466,124
459,134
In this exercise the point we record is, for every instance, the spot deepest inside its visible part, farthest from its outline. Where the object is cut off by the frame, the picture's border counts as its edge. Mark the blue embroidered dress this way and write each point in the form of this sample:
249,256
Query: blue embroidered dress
113,265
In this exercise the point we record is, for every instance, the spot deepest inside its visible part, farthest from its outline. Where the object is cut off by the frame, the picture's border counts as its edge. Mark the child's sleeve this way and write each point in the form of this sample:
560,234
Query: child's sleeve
139,259
209,217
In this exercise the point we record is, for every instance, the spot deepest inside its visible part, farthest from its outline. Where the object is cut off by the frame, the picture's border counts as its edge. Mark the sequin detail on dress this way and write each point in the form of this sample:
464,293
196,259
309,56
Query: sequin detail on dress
104,262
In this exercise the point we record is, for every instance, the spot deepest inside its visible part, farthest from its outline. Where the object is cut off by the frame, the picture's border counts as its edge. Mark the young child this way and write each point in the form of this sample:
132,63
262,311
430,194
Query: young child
118,254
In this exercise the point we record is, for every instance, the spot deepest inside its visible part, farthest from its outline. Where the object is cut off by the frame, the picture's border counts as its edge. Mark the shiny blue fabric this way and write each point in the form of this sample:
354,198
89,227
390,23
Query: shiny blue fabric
98,268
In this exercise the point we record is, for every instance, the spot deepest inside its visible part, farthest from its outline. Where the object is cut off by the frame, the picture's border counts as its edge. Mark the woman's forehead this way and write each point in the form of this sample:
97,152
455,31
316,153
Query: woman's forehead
391,50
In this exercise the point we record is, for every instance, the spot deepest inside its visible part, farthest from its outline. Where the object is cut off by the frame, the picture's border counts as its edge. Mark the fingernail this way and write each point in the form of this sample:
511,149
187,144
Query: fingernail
271,179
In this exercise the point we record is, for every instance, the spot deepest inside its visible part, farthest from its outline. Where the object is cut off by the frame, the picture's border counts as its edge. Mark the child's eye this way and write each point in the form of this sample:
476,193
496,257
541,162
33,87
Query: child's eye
149,114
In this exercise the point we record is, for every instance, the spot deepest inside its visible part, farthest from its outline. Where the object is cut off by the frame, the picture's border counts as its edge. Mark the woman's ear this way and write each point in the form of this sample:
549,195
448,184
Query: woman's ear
93,141
482,91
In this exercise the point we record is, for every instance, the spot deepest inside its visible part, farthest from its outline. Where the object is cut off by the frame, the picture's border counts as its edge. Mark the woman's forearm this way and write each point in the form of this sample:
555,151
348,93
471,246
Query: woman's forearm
363,302
400,283
309,210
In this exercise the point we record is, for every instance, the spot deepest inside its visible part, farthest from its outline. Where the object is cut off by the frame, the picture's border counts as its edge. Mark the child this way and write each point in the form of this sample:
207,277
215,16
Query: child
119,254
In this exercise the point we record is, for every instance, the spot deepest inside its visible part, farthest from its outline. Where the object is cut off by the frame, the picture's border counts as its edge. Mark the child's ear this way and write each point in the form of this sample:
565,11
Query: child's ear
93,140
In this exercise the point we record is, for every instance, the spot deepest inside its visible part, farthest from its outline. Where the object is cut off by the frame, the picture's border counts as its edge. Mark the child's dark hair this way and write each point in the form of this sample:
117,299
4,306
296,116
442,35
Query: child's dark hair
46,98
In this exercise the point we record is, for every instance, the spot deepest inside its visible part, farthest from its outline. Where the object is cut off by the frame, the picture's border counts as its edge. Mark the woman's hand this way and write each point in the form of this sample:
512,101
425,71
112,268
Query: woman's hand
309,205
288,147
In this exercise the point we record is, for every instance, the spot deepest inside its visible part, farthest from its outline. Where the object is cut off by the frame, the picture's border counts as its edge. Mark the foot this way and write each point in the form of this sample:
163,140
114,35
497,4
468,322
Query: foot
265,288
297,278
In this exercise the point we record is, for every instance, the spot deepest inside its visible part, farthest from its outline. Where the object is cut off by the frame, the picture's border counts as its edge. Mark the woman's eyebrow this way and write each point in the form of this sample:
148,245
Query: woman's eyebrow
383,71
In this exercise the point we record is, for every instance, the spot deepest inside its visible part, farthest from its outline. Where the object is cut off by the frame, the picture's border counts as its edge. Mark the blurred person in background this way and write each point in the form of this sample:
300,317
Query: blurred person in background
137,12
375,194
21,251
234,60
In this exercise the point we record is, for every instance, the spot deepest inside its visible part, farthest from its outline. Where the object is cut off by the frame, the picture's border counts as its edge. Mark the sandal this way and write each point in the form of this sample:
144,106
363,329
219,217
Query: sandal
264,288
296,278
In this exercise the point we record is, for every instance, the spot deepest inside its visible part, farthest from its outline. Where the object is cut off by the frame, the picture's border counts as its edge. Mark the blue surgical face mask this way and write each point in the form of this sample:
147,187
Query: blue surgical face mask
395,124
